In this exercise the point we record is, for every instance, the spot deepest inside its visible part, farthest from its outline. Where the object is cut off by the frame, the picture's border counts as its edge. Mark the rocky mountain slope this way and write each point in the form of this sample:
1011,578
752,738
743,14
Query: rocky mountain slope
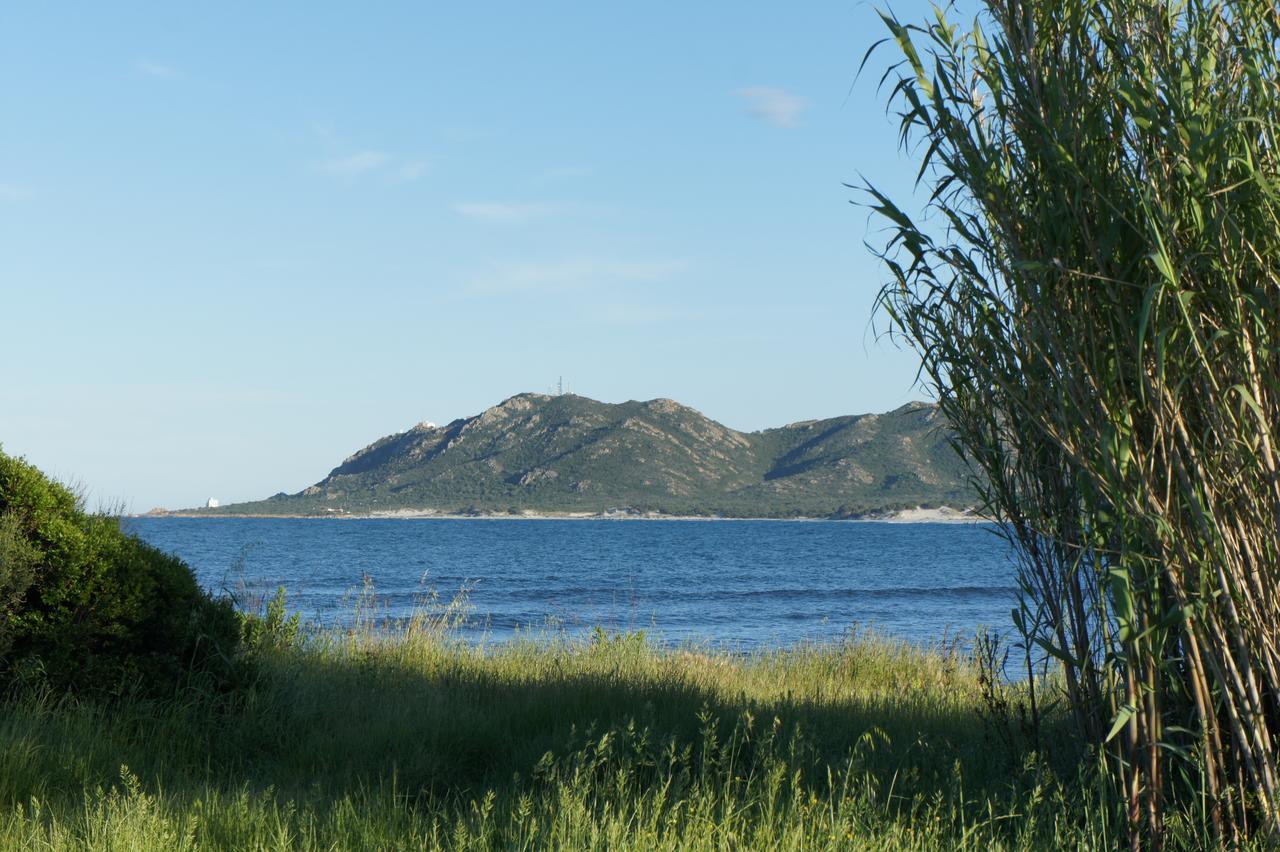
567,453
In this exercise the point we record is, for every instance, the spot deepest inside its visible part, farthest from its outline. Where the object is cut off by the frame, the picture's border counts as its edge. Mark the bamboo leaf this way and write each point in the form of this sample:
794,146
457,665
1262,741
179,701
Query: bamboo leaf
1123,717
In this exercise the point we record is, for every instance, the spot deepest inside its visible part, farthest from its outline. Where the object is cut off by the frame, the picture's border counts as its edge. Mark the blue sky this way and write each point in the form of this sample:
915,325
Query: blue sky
238,242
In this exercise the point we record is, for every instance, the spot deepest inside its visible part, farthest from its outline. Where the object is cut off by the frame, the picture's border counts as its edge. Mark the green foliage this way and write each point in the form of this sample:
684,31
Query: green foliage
273,628
18,561
86,606
406,739
1096,300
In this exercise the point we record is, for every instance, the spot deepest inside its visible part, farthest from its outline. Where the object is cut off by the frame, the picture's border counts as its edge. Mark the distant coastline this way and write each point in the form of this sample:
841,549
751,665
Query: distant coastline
918,515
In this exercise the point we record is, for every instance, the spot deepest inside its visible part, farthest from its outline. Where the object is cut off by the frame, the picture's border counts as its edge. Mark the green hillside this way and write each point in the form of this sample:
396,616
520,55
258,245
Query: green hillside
567,453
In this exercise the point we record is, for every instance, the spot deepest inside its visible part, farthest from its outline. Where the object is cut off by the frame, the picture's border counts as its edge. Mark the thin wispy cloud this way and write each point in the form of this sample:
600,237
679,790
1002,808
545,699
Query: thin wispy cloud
152,68
559,173
773,105
461,135
639,315
412,170
354,164
10,192
507,212
574,273
373,163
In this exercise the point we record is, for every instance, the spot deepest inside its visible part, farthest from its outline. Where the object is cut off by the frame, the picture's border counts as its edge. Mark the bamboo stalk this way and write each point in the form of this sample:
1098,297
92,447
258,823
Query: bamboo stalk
1100,320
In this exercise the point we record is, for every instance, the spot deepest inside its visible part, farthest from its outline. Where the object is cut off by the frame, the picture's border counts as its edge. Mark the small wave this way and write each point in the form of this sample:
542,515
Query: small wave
891,592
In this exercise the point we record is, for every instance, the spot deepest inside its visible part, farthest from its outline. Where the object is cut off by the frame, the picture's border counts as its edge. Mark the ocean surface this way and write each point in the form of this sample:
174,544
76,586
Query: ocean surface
734,584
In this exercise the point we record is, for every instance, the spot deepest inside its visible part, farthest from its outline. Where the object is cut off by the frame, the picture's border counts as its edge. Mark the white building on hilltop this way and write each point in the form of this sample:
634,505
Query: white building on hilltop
212,504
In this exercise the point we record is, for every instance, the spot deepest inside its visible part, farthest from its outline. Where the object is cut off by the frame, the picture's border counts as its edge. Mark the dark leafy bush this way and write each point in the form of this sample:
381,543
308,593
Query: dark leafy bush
85,606
18,557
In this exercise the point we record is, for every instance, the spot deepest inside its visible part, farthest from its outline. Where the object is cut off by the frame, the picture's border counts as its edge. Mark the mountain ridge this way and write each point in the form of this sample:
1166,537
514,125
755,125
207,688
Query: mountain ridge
568,454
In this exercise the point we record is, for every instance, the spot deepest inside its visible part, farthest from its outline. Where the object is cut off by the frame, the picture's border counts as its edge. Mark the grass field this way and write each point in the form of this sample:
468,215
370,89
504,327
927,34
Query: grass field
405,738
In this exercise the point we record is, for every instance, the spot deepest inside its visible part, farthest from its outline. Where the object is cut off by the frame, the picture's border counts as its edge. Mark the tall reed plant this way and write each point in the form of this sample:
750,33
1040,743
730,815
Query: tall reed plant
1095,291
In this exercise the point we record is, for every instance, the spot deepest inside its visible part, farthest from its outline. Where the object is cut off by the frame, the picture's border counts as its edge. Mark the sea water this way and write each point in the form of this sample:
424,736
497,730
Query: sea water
734,584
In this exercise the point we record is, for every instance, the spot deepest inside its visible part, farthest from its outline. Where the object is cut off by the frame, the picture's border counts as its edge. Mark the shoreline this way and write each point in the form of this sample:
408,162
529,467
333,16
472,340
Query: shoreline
944,515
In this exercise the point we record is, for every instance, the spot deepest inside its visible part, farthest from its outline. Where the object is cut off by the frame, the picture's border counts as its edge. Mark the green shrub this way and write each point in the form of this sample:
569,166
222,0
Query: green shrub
273,629
18,558
86,606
